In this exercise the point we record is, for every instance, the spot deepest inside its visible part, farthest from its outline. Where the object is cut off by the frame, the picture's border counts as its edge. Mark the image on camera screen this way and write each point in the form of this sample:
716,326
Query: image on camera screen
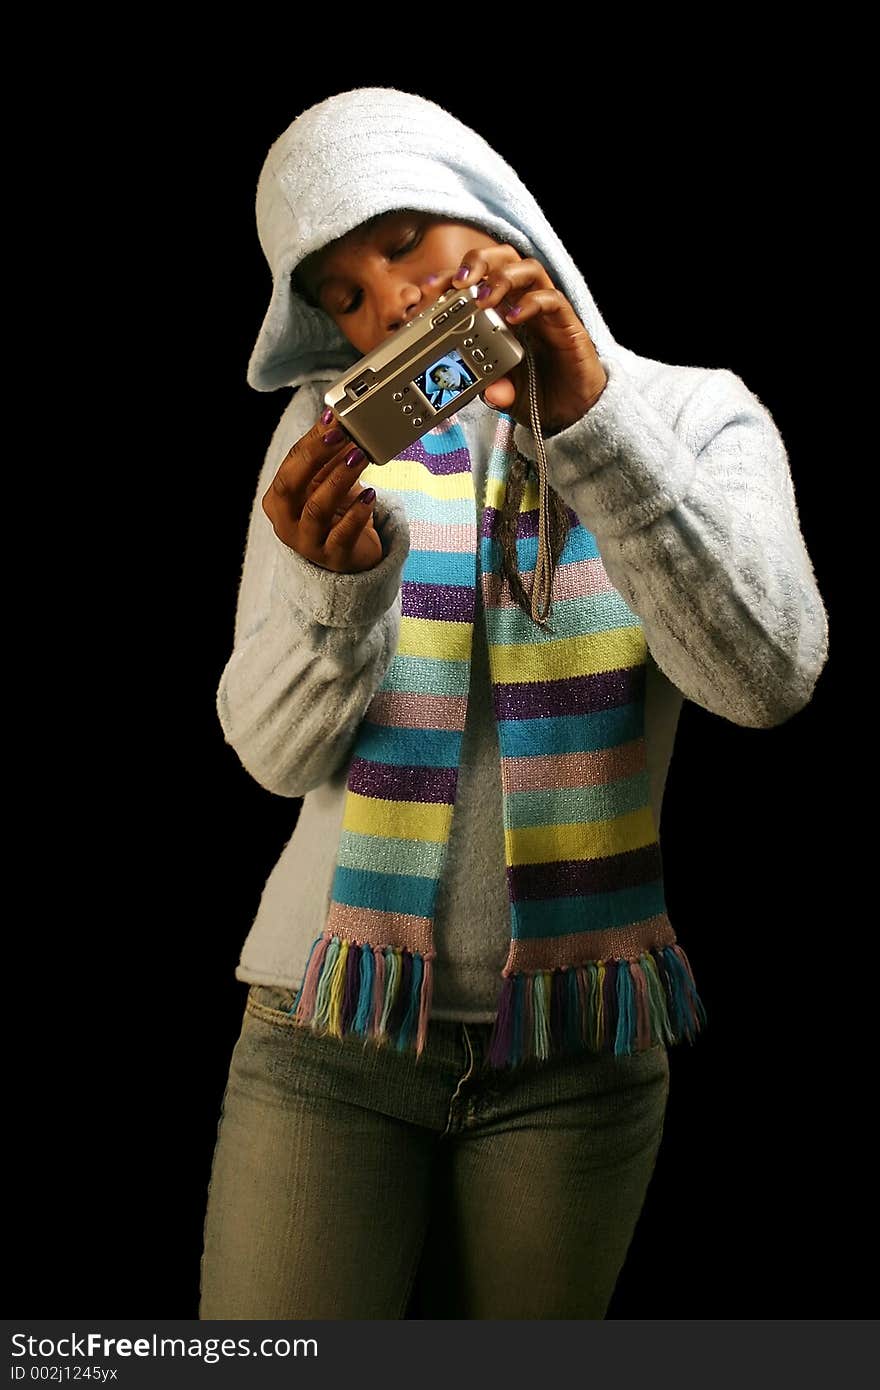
445,379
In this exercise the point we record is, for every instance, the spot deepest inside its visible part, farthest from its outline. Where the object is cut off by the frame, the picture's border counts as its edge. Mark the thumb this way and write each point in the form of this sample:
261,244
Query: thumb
500,394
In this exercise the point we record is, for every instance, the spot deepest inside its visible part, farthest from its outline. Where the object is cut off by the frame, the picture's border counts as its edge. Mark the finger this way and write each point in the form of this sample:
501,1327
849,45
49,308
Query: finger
322,473
321,446
501,394
472,269
506,285
344,534
350,496
316,519
551,316
480,260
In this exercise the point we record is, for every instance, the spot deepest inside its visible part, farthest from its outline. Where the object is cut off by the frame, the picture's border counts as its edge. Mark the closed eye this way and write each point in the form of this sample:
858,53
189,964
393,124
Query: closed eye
401,251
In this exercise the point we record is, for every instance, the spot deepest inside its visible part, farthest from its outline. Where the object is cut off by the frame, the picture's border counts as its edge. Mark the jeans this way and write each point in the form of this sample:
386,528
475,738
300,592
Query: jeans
345,1175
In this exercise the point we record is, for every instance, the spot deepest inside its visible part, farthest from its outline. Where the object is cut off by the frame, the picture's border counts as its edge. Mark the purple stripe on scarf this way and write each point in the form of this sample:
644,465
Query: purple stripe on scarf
572,878
388,782
572,695
440,465
526,523
450,603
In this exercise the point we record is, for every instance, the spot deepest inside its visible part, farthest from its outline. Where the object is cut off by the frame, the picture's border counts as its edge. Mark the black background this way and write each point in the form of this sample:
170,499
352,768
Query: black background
688,196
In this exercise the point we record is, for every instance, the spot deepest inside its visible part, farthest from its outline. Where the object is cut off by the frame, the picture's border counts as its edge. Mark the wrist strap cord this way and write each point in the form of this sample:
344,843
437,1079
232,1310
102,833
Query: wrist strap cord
543,580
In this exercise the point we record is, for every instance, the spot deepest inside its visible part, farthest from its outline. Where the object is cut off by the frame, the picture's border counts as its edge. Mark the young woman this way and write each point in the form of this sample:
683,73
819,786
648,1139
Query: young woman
463,980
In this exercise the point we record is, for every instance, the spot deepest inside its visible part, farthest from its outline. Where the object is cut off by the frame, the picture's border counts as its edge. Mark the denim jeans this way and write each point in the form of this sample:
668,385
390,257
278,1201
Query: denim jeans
344,1172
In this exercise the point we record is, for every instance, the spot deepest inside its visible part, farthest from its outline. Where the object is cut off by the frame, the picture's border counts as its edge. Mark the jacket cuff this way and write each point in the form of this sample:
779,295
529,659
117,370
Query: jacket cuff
620,466
347,600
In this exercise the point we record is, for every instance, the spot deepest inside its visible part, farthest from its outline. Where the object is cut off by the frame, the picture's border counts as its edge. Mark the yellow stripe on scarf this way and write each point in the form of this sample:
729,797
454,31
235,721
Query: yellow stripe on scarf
397,820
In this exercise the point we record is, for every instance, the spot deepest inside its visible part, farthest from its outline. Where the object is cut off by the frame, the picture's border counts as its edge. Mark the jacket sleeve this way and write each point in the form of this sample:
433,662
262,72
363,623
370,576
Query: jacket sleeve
698,529
311,647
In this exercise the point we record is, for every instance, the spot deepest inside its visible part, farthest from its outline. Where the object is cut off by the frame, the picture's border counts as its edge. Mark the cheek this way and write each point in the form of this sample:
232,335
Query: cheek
351,334
361,342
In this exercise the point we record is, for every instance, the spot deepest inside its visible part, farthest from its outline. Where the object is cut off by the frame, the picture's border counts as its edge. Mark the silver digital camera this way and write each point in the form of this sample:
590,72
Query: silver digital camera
427,370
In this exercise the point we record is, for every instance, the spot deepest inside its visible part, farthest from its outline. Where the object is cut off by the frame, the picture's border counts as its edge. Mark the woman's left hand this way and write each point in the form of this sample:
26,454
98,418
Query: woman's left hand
569,376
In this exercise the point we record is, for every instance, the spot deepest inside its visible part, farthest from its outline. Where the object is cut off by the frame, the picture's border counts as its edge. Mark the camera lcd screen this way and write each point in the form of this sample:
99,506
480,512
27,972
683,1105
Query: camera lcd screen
445,379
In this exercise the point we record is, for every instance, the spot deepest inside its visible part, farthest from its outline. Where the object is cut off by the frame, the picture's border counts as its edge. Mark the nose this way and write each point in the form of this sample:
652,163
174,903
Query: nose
398,305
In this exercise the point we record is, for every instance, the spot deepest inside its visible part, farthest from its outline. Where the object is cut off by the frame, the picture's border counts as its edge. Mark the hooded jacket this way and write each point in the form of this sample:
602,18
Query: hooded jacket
679,472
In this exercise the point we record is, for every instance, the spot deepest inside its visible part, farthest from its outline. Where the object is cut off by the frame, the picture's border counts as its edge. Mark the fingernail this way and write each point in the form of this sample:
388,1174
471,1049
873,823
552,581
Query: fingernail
334,436
368,495
463,272
353,457
484,291
327,416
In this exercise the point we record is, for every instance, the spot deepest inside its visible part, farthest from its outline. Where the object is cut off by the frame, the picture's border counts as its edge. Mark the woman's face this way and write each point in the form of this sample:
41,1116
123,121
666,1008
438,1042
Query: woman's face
372,280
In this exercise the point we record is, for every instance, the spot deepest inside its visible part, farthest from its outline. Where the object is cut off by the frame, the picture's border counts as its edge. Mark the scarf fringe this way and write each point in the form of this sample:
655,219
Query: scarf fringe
382,993
619,1006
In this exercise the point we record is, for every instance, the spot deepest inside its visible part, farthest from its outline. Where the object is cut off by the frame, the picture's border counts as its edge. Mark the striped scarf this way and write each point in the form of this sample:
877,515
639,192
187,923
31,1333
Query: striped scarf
593,962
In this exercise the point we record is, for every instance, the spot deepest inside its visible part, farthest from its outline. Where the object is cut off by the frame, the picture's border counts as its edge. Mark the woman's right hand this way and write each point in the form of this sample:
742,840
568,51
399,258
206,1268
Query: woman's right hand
318,508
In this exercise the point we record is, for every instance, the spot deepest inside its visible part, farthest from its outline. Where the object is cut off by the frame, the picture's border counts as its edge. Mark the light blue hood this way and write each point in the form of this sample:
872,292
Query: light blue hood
368,151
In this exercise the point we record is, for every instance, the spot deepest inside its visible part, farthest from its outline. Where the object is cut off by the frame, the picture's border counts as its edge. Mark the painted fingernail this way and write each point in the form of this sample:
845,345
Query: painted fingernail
484,291
334,436
354,457
368,495
463,272
514,313
327,416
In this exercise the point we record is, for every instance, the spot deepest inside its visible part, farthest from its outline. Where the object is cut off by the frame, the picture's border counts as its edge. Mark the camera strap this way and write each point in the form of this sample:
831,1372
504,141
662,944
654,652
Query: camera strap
543,580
